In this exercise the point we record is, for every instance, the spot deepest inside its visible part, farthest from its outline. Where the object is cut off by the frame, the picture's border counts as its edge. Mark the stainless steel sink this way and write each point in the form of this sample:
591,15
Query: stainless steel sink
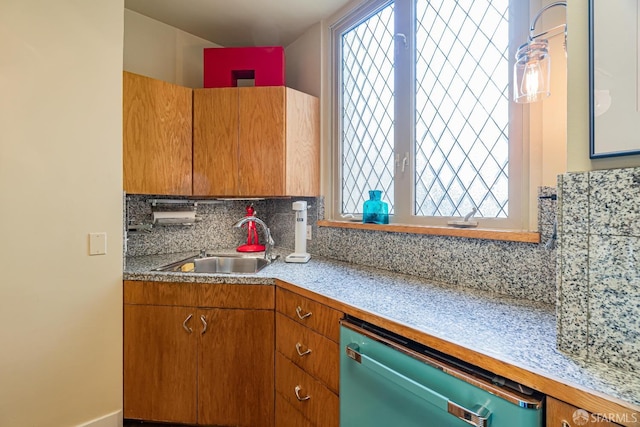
217,264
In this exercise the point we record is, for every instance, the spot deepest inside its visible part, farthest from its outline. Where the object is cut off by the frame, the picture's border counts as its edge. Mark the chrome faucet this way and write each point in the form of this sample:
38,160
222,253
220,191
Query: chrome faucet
269,244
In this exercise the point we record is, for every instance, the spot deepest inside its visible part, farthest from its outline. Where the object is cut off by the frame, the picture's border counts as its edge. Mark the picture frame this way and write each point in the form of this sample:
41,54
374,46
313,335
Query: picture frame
614,78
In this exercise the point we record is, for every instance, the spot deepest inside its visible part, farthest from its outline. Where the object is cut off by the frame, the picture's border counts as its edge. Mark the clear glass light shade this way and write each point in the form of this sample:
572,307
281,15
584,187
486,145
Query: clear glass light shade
532,72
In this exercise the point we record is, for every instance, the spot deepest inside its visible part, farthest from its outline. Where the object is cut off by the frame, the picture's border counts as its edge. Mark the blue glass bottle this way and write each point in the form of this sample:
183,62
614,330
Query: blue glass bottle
375,211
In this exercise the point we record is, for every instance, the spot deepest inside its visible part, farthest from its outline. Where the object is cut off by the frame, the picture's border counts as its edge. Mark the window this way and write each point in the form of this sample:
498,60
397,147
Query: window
424,110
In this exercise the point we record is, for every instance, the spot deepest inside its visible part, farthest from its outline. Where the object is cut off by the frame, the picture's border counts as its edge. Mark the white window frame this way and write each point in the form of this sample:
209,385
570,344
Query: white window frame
521,195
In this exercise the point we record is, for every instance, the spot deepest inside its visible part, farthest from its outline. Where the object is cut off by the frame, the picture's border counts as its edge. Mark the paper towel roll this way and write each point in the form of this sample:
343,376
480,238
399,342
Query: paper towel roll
174,217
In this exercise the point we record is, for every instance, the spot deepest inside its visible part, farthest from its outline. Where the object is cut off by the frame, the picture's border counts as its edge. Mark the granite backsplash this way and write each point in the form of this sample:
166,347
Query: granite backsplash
598,305
523,270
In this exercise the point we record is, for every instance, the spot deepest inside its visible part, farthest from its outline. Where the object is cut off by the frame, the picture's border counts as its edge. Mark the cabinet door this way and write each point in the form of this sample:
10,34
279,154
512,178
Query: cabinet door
160,361
561,414
215,142
236,368
157,147
262,141
303,144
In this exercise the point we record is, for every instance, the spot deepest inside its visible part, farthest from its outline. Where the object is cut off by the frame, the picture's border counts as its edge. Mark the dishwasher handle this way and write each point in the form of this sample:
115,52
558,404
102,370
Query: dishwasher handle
478,417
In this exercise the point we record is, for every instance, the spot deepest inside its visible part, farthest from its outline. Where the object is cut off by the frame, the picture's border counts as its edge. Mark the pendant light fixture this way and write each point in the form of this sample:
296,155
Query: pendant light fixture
532,70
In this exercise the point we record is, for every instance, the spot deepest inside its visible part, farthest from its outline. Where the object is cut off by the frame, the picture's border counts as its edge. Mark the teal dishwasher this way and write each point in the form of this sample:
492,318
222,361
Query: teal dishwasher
387,380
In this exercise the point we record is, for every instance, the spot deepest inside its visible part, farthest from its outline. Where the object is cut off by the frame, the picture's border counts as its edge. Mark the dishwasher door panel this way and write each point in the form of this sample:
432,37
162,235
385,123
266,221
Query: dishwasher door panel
386,387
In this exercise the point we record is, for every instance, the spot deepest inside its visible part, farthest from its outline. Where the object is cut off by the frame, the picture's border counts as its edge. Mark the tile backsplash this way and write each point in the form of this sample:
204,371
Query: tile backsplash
598,302
522,270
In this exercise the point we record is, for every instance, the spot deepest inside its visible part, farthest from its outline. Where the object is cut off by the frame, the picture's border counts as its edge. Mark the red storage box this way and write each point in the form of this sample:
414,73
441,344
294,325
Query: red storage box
223,66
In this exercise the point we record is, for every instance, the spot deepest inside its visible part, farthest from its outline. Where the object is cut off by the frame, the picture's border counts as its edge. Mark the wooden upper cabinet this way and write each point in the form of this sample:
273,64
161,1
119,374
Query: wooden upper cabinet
256,141
303,144
261,145
157,136
215,142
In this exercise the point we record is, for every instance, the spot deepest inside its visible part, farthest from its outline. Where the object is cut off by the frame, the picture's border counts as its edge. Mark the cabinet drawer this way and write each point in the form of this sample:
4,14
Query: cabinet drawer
312,314
288,416
161,293
317,355
561,414
199,294
316,402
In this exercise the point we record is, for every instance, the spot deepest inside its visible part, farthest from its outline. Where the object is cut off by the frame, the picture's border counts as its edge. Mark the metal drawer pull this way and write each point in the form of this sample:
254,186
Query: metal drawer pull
300,315
204,324
301,399
184,324
565,424
302,353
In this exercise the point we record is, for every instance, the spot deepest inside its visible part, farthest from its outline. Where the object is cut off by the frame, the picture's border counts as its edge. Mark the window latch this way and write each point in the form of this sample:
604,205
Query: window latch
403,38
405,162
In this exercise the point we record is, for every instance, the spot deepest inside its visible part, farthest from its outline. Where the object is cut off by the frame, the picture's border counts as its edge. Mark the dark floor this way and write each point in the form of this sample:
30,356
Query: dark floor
134,423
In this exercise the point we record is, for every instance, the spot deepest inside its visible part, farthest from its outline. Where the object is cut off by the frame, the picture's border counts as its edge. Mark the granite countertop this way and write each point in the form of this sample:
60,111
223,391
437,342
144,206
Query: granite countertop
519,332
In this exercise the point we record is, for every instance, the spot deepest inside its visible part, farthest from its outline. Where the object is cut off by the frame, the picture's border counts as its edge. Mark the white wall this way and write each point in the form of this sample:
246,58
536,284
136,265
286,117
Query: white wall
553,143
60,178
303,60
158,50
578,95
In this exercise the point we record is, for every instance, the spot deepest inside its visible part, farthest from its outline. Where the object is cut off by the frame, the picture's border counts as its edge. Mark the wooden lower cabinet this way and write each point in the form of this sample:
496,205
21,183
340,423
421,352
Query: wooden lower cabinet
235,359
307,395
312,352
199,365
561,414
287,415
312,314
160,363
307,362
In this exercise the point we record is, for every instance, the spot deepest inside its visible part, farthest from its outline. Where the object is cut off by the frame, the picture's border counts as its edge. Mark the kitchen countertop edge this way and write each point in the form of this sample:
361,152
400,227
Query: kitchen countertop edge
439,313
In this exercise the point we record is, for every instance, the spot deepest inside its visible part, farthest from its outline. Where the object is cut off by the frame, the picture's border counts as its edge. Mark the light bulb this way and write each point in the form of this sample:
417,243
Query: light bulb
530,81
532,72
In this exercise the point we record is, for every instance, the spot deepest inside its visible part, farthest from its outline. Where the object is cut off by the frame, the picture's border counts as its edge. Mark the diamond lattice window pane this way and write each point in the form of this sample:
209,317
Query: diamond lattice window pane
367,111
462,77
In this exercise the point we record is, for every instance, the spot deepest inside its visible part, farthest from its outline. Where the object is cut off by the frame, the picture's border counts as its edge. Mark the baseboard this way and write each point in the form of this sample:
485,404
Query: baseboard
110,420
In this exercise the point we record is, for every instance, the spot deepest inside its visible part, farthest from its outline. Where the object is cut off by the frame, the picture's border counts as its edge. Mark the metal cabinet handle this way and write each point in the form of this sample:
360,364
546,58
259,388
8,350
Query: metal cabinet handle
300,398
302,353
565,424
204,324
300,315
184,324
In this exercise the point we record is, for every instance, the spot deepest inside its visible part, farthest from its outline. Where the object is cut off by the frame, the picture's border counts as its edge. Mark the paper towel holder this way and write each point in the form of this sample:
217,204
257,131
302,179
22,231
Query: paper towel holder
180,212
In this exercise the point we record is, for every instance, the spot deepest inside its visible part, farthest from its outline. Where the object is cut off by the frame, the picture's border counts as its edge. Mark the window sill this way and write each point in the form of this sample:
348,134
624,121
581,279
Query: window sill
469,233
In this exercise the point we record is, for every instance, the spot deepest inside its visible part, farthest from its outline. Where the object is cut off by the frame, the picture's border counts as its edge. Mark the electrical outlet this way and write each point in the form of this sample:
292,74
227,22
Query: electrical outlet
308,232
